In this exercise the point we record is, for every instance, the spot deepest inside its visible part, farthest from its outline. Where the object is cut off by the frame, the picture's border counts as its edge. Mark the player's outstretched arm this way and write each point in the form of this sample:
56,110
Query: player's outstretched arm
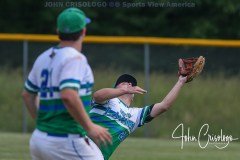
163,106
31,102
102,95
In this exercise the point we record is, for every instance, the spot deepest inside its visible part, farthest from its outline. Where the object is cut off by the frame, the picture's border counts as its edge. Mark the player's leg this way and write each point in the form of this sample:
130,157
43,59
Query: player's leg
96,149
34,148
37,143
83,148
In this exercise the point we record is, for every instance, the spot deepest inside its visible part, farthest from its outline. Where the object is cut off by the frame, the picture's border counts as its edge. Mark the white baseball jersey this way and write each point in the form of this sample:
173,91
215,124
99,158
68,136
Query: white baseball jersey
54,70
120,119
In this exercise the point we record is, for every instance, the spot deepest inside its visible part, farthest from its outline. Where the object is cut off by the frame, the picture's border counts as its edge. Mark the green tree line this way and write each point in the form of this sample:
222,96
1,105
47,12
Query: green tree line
202,19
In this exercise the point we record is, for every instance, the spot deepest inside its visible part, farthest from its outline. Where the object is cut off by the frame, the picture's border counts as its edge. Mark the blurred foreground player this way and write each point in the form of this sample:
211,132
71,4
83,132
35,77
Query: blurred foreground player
59,76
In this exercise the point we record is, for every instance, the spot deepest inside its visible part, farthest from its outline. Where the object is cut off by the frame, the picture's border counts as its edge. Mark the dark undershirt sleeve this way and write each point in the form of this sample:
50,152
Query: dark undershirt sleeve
145,116
149,118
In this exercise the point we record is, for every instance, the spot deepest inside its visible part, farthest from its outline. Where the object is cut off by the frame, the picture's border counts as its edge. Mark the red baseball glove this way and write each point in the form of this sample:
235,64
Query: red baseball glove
191,67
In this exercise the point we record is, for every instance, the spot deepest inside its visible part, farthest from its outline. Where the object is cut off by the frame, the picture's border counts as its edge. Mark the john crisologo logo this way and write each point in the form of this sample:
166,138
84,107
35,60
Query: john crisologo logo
220,141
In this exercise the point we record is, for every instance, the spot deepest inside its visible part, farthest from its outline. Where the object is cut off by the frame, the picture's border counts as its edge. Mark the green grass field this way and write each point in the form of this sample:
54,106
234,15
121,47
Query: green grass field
14,146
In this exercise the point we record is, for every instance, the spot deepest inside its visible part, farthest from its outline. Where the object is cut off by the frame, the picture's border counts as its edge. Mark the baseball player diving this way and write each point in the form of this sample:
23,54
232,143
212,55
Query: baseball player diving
111,109
111,106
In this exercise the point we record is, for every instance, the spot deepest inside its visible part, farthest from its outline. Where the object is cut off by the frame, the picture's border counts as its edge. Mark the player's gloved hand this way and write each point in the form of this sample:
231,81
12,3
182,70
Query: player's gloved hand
190,67
99,135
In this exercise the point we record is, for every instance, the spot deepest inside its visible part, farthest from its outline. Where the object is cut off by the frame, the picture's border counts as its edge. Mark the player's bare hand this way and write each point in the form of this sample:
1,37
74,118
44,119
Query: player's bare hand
100,135
182,79
136,90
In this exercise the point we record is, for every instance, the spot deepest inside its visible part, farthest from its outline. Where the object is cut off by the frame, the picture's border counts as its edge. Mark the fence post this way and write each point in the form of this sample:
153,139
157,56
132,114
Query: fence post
147,81
25,67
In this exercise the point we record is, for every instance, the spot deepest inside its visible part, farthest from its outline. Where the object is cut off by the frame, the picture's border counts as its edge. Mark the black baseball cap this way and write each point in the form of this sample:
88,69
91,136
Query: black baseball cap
126,78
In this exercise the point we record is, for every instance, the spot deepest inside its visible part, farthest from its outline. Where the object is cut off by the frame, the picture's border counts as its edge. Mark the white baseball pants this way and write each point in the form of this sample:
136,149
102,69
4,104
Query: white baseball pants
48,147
